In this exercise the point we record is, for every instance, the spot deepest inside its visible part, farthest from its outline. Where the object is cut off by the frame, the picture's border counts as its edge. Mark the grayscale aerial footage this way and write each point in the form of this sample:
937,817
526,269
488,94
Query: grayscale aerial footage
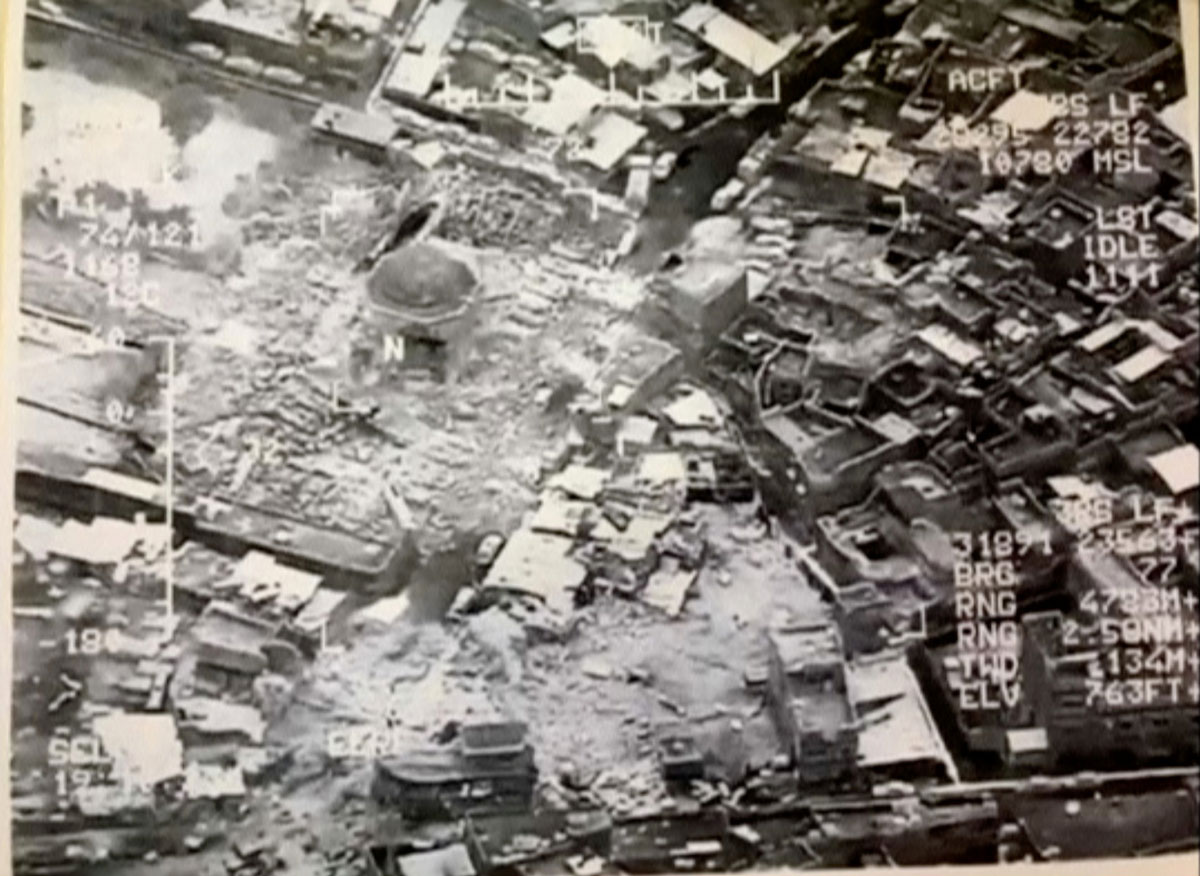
586,437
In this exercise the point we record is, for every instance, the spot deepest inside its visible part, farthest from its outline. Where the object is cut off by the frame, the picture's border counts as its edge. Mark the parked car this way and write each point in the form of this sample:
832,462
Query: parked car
663,165
724,197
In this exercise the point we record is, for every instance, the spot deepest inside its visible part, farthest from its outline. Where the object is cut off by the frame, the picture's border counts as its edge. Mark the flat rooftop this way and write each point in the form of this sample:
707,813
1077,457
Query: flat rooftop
342,121
822,711
896,725
264,24
801,645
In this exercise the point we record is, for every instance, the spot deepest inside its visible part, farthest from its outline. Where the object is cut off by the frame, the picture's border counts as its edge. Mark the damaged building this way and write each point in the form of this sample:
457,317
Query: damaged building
419,313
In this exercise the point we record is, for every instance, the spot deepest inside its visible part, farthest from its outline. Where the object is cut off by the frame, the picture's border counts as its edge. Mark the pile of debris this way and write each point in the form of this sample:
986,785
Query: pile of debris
312,444
512,210
616,518
253,858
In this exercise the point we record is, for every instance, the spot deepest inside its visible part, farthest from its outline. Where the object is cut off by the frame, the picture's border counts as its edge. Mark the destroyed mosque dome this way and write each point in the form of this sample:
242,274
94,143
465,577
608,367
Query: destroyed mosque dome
420,277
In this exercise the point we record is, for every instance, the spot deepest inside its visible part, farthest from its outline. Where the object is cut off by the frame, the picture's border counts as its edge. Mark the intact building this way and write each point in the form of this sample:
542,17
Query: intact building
335,43
1081,727
364,134
836,457
701,841
512,842
806,692
490,770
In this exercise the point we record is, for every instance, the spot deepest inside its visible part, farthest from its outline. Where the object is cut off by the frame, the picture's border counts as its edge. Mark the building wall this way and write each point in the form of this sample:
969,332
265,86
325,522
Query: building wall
714,313
455,795
268,51
357,67
1037,460
443,346
515,19
1076,730
820,759
817,758
851,481
721,310
164,18
777,700
862,626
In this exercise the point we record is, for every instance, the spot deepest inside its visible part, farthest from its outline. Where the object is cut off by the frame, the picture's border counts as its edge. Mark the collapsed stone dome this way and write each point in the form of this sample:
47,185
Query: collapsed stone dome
420,277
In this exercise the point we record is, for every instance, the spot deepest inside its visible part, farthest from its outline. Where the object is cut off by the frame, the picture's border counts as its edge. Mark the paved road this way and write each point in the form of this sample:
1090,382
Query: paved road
710,154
